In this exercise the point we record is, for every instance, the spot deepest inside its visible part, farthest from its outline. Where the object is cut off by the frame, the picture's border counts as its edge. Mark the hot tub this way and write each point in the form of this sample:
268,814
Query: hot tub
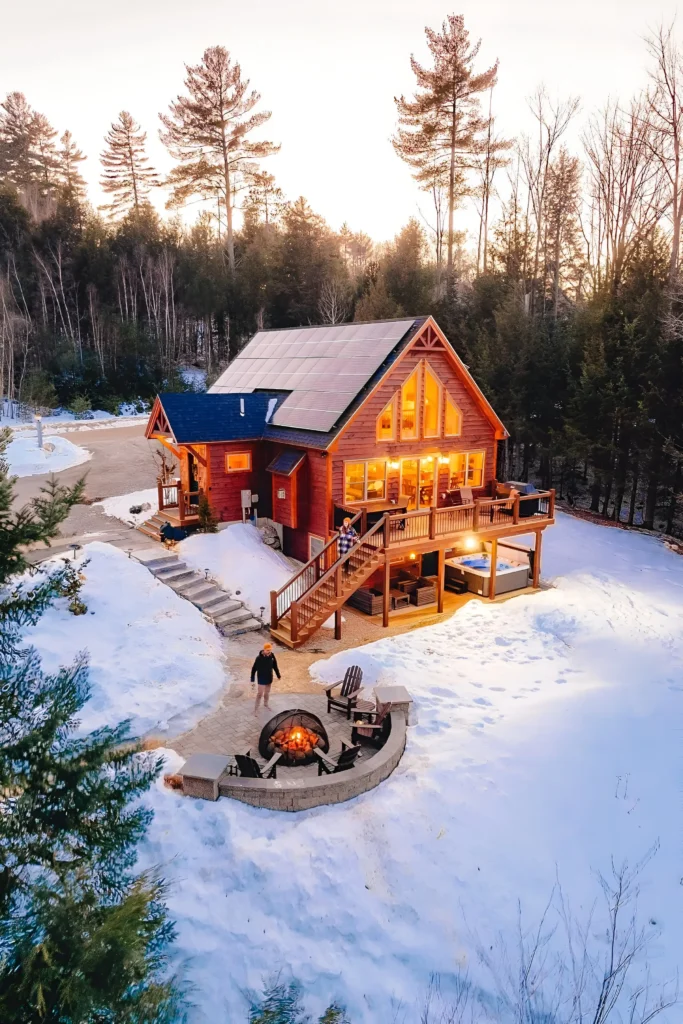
475,571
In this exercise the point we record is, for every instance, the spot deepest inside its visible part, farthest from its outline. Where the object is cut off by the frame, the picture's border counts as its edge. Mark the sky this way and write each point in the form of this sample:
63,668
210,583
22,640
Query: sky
327,71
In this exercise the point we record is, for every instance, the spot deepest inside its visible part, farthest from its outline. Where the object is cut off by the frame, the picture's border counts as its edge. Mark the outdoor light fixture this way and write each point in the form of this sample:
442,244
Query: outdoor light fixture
444,460
470,543
412,556
394,465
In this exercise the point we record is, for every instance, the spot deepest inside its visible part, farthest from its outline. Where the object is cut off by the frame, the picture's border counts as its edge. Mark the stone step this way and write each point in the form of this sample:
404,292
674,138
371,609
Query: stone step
170,569
195,592
216,606
240,614
248,626
161,562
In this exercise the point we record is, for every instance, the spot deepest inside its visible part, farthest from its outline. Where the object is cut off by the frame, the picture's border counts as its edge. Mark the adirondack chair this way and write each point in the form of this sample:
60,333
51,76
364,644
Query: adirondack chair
372,726
332,765
249,768
348,695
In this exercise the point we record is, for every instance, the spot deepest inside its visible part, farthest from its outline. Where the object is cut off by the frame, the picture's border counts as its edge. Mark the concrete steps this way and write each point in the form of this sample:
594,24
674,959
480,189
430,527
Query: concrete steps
227,613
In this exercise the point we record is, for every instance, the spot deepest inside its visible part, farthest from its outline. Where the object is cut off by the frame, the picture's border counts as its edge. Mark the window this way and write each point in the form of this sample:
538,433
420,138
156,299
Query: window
409,407
386,422
365,481
431,426
238,462
453,418
466,469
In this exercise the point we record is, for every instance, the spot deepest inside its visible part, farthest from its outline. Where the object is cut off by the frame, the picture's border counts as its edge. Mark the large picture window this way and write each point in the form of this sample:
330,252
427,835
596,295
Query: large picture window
409,407
466,469
453,418
365,481
431,425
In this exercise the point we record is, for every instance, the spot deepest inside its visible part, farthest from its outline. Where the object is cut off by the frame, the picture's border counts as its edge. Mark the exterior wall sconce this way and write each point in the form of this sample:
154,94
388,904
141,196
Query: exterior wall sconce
443,460
394,465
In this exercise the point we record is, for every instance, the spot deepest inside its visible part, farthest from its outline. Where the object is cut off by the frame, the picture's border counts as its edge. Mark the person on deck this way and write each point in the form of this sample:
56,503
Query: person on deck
262,671
347,538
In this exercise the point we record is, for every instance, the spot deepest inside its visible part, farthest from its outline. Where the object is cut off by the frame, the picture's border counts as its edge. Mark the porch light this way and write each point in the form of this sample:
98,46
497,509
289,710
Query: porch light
428,458
444,460
412,556
394,464
470,542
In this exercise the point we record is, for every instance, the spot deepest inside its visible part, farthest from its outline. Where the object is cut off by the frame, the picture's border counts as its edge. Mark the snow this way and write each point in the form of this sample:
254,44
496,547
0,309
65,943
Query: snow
194,377
240,562
153,656
19,417
119,506
25,458
548,741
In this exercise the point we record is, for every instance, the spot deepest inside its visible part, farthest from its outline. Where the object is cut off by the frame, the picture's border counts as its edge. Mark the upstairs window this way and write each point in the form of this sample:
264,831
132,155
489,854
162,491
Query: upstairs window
453,418
386,422
466,470
432,406
409,407
238,462
365,481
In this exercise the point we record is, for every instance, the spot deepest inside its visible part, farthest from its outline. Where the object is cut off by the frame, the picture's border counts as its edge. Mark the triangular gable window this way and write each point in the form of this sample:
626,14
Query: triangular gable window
432,405
453,418
386,421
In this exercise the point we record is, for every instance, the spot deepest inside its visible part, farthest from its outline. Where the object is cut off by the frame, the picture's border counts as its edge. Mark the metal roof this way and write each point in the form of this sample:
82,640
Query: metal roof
286,463
322,368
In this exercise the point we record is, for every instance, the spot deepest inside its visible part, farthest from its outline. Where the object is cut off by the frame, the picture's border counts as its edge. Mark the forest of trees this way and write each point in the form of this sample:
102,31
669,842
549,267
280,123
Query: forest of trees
567,307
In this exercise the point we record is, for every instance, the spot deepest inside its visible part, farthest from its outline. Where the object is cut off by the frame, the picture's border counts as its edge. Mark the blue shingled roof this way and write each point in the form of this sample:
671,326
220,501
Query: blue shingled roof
204,418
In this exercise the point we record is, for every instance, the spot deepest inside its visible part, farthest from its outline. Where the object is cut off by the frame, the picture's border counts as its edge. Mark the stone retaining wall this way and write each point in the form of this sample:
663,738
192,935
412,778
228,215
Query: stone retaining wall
300,794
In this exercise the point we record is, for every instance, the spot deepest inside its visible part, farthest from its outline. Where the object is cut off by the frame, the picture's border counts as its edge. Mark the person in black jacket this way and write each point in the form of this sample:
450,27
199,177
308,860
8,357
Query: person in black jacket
262,671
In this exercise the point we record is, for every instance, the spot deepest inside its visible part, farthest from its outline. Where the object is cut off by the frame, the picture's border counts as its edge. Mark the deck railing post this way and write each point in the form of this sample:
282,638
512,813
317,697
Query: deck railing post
551,504
515,509
160,492
475,517
337,581
363,522
294,621
273,609
432,525
181,505
387,536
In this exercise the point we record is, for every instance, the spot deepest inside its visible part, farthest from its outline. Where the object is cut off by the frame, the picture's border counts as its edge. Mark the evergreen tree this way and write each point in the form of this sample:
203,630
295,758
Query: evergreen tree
206,132
17,141
208,523
127,172
443,125
69,157
82,938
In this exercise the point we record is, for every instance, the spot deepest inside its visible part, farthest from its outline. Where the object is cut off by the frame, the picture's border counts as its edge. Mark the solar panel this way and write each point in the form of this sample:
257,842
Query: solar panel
324,368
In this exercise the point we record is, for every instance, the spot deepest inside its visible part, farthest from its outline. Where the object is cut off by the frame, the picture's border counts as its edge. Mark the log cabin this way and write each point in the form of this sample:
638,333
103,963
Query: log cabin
379,422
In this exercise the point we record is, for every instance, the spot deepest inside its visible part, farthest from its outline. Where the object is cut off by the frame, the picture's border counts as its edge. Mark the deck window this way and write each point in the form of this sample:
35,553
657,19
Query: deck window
238,462
432,405
453,418
409,407
365,481
386,422
466,470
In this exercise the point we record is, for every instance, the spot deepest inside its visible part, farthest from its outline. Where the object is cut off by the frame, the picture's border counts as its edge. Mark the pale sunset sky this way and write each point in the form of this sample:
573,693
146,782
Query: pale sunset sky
327,71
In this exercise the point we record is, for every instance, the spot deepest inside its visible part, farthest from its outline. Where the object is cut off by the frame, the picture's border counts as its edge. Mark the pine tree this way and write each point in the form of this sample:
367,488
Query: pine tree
208,523
17,140
72,183
82,938
442,126
206,132
127,172
45,154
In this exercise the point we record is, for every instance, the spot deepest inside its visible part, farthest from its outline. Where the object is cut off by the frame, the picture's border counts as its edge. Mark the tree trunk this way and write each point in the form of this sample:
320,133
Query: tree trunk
634,495
651,498
596,490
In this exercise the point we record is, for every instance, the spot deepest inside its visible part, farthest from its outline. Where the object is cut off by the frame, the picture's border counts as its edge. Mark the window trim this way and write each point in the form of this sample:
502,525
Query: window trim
228,456
449,398
364,463
427,369
393,405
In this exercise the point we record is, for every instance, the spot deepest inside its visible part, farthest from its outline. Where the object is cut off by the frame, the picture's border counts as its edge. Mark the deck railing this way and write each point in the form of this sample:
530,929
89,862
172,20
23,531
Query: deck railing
172,496
281,600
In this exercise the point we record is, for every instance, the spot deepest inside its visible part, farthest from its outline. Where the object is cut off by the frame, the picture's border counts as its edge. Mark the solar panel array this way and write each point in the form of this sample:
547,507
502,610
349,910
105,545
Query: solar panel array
324,368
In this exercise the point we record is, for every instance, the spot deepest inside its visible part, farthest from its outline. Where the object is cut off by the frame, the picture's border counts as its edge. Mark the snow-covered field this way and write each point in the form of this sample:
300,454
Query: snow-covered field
25,458
120,506
20,418
548,741
240,562
153,656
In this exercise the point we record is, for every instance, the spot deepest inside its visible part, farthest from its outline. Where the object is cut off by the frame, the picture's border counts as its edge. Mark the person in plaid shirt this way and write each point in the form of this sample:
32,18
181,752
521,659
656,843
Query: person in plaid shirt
347,538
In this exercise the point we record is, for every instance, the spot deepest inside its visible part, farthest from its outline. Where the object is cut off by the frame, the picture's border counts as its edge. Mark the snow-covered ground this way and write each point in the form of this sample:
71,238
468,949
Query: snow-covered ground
120,506
153,656
19,417
548,741
25,458
240,562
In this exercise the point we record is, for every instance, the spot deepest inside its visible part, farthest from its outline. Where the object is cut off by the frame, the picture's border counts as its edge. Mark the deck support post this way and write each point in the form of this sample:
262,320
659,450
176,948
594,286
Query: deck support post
386,598
492,575
294,622
441,572
537,559
338,623
273,609
160,493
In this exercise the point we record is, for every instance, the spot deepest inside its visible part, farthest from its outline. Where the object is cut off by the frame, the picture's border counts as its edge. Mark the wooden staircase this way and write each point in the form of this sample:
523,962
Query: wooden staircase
323,585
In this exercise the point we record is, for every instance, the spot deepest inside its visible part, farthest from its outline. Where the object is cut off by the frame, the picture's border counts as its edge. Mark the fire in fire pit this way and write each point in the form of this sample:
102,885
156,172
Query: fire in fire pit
294,734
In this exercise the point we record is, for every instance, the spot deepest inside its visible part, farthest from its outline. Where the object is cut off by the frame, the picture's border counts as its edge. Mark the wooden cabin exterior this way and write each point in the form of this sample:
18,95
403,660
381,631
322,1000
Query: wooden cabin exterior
389,428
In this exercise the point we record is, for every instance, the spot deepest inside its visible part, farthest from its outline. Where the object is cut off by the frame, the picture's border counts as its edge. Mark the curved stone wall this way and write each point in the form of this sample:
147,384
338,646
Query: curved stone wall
301,794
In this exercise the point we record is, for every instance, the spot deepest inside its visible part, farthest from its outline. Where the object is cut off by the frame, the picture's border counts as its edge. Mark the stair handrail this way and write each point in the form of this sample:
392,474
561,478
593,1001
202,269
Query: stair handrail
275,595
297,620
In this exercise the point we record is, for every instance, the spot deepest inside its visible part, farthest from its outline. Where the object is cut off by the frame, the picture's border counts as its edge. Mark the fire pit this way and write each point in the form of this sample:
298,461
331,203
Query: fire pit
294,734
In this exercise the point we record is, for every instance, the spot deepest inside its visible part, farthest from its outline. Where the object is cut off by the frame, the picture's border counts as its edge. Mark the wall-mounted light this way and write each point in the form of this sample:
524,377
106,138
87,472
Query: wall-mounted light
412,556
444,460
394,464
470,543
428,458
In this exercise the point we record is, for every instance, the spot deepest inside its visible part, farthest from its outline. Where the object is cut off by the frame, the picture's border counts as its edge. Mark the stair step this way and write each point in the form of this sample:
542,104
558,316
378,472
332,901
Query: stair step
178,579
149,531
219,605
195,592
240,614
162,562
248,626
172,565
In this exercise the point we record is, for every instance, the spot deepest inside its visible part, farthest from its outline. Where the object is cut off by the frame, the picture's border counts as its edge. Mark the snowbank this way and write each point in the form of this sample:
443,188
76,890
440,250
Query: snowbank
25,458
18,417
119,507
240,561
153,657
548,740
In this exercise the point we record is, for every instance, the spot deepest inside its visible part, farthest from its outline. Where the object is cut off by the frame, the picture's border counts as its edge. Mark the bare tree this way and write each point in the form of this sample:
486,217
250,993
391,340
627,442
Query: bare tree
333,305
